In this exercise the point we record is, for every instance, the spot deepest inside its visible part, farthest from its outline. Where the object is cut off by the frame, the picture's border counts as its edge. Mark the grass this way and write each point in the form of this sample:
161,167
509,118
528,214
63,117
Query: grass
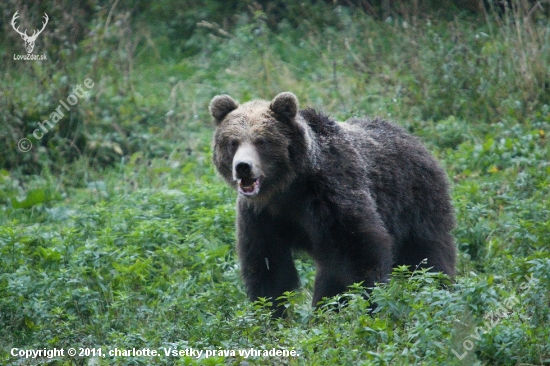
130,244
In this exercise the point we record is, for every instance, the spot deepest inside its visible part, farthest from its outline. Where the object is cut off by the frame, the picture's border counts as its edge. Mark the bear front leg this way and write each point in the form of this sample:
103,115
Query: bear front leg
366,259
335,278
267,266
328,283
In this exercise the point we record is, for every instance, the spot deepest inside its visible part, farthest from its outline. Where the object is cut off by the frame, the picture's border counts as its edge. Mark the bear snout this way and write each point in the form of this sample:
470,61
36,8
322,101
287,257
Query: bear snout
243,169
246,170
246,163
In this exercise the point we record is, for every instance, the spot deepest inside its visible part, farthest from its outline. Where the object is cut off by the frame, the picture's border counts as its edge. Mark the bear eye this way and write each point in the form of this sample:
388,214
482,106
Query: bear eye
232,145
260,142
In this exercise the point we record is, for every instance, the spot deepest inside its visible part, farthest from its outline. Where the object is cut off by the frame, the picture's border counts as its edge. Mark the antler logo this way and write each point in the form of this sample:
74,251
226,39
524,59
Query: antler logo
29,40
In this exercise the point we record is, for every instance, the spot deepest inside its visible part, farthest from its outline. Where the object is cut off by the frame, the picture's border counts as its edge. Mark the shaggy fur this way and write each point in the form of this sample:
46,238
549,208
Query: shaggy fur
359,197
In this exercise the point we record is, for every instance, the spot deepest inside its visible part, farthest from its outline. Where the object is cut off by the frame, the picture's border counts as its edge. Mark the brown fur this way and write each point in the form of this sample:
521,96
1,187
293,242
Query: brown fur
359,197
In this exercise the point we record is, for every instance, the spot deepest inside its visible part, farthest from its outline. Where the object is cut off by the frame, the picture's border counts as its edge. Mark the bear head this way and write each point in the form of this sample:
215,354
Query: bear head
259,147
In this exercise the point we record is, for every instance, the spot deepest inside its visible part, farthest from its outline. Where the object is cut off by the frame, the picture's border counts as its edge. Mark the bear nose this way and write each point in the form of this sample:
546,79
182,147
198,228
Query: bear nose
243,169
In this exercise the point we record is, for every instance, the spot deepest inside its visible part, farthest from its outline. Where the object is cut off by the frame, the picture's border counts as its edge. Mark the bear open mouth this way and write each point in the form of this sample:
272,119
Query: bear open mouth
249,186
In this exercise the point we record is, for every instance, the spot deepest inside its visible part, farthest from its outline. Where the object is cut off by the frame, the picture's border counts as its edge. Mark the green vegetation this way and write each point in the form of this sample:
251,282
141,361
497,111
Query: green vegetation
115,231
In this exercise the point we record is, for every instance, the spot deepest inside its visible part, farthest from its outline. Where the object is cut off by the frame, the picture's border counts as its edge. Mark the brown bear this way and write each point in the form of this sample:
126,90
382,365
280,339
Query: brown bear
360,197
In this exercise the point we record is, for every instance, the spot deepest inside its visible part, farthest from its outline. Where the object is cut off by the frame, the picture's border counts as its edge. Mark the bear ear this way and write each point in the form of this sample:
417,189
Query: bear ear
220,106
285,105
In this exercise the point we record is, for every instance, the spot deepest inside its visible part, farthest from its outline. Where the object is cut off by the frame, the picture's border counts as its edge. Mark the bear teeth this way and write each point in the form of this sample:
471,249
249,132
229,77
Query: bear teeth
249,187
